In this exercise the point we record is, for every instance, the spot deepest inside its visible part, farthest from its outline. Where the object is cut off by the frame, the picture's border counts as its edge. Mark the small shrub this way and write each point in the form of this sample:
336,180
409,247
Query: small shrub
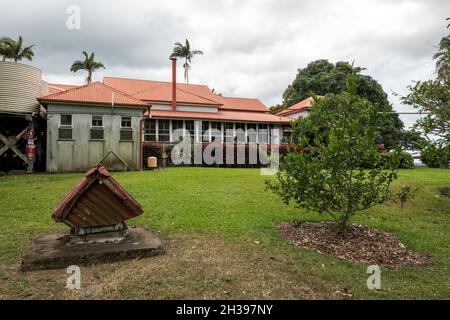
405,194
435,156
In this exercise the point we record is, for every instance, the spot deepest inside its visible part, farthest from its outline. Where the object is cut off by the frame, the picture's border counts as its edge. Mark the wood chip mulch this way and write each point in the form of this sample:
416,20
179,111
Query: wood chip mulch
361,244
445,191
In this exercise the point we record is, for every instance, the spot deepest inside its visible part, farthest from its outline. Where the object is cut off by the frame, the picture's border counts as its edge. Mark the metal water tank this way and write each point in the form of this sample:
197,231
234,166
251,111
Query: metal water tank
20,85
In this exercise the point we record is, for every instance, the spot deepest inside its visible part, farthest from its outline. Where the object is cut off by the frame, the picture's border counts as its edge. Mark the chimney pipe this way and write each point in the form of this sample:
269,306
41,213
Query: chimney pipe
174,83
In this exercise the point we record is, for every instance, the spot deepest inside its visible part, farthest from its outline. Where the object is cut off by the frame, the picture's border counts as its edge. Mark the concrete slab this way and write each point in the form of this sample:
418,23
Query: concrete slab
60,250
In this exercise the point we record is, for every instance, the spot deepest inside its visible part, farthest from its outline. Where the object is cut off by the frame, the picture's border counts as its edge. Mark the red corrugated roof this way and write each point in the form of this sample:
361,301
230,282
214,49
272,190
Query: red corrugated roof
163,92
223,115
56,87
241,104
300,106
94,93
153,92
186,93
97,200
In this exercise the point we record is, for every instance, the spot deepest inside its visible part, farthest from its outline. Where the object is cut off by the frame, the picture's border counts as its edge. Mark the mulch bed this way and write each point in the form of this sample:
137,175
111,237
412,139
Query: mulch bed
361,244
445,191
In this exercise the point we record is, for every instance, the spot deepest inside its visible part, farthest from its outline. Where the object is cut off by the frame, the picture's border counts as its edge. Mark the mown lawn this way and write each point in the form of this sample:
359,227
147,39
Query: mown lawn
218,226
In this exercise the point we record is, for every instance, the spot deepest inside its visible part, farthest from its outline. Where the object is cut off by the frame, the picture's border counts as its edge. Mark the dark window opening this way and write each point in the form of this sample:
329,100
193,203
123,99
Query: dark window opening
164,130
150,130
66,119
126,135
190,128
65,133
205,131
97,134
126,122
97,121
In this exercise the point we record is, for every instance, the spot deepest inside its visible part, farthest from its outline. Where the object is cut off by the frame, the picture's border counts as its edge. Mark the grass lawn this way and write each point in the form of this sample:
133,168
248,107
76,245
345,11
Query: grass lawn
218,226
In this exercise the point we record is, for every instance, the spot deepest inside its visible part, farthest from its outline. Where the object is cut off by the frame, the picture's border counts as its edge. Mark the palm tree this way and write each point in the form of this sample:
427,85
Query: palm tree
14,49
88,64
442,57
185,52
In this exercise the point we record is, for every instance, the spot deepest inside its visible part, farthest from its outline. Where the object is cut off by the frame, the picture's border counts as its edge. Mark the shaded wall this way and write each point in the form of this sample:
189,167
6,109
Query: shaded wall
81,152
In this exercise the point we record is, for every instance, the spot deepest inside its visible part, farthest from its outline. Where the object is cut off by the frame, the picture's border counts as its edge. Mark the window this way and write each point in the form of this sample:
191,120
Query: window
65,133
125,122
190,128
216,131
229,132
240,132
262,133
177,125
164,130
150,130
97,134
275,135
97,121
205,131
251,132
126,134
66,119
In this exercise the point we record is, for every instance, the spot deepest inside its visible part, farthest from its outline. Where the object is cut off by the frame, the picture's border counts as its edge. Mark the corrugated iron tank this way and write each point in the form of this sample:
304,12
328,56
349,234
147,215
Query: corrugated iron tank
20,85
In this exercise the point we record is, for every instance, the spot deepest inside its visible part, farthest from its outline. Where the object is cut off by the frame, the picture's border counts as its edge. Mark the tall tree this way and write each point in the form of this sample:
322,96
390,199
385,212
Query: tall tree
11,49
321,77
89,64
432,98
442,57
185,52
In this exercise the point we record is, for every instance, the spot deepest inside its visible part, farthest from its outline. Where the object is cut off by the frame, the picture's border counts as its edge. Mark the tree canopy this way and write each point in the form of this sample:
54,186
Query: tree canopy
88,64
432,98
185,52
11,49
322,77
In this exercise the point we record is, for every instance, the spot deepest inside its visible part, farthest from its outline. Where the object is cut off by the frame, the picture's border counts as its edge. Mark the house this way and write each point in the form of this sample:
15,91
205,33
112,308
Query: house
297,110
102,121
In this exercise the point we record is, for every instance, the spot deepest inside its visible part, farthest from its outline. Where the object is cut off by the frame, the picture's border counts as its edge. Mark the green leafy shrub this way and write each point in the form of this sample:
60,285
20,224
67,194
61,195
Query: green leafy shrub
406,193
405,159
435,156
331,177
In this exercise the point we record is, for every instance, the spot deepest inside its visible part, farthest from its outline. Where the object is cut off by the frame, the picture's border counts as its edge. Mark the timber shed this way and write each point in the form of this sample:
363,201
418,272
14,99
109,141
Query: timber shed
91,124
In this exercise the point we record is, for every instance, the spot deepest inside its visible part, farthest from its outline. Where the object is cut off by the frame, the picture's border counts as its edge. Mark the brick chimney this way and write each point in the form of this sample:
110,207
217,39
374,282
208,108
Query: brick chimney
174,84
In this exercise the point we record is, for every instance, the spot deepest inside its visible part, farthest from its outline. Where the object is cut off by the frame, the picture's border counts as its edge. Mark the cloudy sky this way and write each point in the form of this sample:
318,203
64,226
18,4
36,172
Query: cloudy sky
252,47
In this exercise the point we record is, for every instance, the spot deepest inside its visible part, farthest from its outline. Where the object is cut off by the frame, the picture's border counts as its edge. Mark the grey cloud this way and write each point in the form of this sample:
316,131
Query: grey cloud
252,48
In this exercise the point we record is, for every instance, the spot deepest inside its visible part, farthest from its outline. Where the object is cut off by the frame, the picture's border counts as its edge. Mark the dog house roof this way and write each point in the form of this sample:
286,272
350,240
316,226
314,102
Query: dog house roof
97,200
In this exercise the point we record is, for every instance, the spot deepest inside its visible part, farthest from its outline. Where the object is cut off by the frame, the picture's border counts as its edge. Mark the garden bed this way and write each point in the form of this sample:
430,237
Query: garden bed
361,244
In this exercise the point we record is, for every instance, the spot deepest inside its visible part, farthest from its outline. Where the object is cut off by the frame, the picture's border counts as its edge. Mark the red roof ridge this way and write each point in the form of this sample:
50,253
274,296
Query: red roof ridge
65,91
149,89
55,95
121,92
178,89
297,107
200,96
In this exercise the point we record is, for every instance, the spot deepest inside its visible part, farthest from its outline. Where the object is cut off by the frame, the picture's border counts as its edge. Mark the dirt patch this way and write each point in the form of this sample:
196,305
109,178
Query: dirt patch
361,244
445,191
